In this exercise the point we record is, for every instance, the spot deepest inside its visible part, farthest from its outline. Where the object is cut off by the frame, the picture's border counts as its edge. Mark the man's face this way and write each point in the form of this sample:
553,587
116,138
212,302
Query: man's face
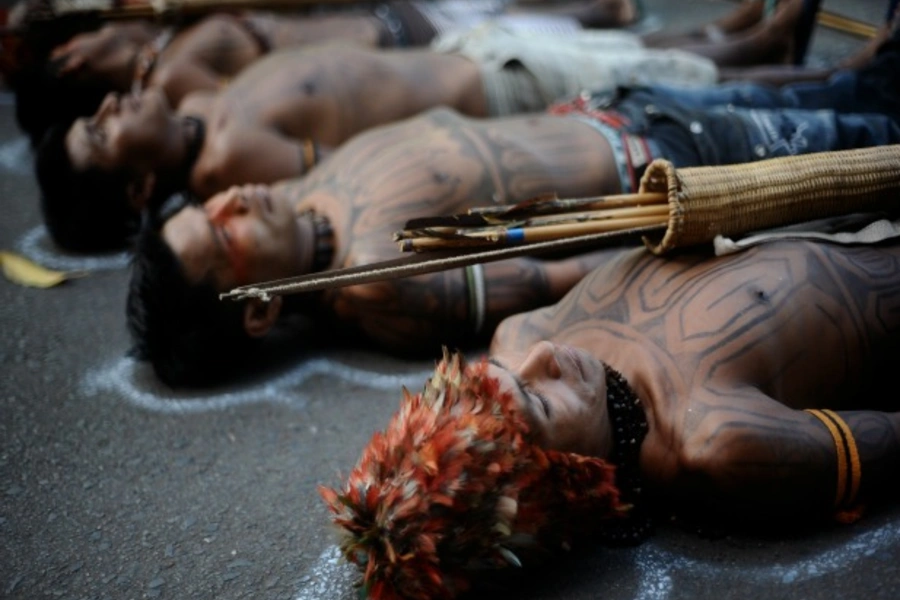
103,57
127,133
239,236
561,391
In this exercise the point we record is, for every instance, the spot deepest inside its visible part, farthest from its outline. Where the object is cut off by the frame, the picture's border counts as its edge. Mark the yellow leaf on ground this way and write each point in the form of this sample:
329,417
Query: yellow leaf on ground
24,272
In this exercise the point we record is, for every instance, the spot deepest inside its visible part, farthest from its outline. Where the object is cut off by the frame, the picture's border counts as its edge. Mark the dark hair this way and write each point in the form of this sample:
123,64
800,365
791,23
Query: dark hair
43,98
184,330
85,211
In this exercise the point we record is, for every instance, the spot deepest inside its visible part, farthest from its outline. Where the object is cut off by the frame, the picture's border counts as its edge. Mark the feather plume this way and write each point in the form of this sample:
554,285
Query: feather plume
454,485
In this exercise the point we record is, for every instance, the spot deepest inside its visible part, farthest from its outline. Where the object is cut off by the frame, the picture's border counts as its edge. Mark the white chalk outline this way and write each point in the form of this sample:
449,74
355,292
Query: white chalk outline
123,376
15,156
656,566
34,243
331,575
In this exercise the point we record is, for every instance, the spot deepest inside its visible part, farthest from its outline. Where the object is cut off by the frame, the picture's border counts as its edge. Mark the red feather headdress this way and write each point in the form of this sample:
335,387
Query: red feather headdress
454,485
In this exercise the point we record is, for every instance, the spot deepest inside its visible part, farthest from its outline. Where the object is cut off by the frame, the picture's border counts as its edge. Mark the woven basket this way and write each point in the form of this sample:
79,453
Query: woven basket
735,199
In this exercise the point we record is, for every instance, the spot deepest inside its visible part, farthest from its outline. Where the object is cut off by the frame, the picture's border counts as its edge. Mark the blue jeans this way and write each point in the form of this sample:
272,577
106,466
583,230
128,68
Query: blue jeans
737,123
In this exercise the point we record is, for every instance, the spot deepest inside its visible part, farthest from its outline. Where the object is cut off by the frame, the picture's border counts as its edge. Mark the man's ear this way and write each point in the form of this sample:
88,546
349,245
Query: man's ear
260,316
140,190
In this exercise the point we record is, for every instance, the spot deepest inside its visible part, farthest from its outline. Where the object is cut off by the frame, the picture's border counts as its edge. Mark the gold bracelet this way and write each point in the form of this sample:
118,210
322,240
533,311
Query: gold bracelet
309,154
849,466
855,464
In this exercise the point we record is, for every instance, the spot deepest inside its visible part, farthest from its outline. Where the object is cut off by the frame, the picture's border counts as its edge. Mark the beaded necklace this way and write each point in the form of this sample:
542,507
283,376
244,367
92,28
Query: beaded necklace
323,251
629,428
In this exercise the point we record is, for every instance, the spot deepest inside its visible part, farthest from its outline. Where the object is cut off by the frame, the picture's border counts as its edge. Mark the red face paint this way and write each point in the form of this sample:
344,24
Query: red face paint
236,257
222,214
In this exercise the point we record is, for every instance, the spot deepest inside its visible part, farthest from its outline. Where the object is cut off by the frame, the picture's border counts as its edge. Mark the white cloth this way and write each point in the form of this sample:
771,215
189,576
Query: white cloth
567,64
452,15
847,230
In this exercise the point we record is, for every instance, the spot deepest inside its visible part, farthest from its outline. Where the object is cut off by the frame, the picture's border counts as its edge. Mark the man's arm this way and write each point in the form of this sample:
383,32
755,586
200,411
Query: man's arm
762,458
445,307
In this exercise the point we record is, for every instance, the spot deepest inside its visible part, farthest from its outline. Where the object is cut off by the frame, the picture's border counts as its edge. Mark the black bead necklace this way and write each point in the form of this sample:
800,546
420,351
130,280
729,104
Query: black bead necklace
324,243
629,427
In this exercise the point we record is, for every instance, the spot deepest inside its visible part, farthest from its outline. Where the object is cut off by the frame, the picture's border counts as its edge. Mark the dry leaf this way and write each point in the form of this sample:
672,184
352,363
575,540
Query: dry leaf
25,272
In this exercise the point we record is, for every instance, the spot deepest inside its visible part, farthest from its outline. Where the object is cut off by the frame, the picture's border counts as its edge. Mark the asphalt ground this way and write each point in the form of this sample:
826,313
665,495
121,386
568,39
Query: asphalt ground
115,487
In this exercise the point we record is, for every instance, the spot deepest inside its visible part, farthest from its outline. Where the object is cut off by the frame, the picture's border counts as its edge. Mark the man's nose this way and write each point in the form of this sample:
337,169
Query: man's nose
234,203
540,363
109,106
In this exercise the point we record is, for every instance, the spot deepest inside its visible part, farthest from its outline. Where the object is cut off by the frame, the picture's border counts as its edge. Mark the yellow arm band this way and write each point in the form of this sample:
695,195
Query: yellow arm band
849,466
310,155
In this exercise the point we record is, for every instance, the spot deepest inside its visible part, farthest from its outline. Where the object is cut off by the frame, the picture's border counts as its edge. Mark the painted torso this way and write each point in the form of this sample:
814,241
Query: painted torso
804,325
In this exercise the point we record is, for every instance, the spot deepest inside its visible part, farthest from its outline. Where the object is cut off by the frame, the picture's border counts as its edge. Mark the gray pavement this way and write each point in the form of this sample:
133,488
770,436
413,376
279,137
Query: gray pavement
115,487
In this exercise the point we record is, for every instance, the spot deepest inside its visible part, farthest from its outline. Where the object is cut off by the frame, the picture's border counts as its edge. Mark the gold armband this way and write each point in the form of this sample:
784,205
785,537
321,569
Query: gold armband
849,467
310,154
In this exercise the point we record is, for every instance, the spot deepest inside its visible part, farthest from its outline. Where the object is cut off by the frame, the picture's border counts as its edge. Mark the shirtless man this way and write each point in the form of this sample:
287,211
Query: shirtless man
124,57
276,119
443,163
343,213
705,383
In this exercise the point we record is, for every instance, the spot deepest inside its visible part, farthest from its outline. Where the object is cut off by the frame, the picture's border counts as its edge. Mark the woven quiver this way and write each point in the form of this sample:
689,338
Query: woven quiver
735,199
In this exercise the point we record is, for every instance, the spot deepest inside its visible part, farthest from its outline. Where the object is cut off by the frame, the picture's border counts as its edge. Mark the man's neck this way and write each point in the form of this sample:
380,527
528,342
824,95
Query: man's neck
185,142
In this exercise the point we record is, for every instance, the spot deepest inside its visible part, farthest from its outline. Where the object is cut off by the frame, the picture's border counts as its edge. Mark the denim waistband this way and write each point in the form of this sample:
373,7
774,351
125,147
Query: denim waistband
632,153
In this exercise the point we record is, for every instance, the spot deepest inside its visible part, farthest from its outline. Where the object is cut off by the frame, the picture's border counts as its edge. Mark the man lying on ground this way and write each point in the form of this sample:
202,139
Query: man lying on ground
343,213
657,386
276,119
126,57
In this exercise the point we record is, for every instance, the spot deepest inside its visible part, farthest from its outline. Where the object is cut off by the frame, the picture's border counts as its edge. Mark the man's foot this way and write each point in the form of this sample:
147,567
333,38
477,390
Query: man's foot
787,32
600,13
867,52
747,14
626,12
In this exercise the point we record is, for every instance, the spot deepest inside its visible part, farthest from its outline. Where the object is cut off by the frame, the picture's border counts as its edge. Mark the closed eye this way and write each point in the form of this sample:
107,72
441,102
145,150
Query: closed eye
97,133
527,392
545,404
223,233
